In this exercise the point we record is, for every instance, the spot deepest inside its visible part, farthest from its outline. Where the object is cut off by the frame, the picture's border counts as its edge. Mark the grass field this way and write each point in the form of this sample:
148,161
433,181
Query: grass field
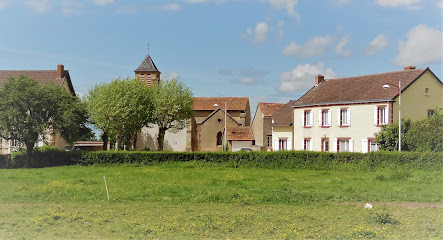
188,201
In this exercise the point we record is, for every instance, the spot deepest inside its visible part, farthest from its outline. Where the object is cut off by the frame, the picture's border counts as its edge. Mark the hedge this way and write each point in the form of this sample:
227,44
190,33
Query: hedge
284,159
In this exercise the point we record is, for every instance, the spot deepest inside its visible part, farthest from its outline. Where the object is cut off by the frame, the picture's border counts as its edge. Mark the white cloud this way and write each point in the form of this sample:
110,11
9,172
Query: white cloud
313,47
289,5
102,2
4,3
377,44
39,6
280,32
70,7
170,75
342,2
411,4
259,33
172,7
423,45
339,49
248,81
302,77
196,1
440,4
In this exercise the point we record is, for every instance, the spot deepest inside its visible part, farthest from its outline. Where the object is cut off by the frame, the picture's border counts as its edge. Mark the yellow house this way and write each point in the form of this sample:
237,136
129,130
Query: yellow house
261,124
60,77
340,115
282,128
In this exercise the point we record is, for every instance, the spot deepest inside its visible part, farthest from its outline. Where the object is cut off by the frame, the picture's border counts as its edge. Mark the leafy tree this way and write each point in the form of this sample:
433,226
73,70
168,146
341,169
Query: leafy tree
427,134
121,107
172,107
387,138
29,110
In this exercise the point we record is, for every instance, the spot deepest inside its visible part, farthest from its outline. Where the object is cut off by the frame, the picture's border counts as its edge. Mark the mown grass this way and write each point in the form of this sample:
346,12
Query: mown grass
188,201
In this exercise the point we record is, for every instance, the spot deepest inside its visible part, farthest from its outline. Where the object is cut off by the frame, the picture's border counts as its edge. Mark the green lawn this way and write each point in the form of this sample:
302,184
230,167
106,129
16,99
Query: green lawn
188,201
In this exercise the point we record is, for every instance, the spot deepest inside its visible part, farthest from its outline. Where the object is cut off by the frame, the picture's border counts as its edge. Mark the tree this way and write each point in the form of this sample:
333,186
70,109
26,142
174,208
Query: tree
427,134
121,107
29,111
172,107
387,138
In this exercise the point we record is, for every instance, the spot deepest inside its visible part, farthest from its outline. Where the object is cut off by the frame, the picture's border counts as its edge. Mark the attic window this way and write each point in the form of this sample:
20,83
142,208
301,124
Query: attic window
427,92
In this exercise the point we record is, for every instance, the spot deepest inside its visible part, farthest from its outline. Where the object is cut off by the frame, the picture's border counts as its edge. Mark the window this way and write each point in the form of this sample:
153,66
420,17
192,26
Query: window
307,118
381,115
307,144
269,141
344,117
325,144
344,145
324,118
219,138
430,112
427,92
283,144
372,145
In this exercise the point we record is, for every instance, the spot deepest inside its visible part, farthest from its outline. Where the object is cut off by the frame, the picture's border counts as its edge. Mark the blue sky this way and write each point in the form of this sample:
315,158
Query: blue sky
267,50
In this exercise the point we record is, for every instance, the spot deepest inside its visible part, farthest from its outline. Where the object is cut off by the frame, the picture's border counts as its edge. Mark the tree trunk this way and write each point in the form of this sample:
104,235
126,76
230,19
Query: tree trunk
117,142
134,141
105,141
28,161
161,137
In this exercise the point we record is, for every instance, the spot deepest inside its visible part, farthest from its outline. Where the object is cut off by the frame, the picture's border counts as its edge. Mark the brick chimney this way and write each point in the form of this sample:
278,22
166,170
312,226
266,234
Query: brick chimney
60,70
319,79
409,67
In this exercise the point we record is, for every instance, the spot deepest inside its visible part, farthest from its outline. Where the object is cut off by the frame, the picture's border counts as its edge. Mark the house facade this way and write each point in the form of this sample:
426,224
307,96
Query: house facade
261,124
343,115
282,128
60,77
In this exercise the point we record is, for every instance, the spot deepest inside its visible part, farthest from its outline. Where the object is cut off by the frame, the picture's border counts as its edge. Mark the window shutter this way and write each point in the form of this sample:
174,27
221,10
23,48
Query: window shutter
289,144
311,145
303,118
364,145
348,113
334,145
276,145
311,119
387,114
375,116
329,117
338,117
320,116
302,144
351,145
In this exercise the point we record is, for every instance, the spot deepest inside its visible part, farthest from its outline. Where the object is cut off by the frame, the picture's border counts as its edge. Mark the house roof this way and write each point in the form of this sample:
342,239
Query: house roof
147,65
41,76
240,134
360,89
233,103
283,117
268,109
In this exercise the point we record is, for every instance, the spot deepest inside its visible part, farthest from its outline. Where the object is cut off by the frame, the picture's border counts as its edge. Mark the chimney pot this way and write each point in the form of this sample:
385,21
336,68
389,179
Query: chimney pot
60,70
409,67
319,79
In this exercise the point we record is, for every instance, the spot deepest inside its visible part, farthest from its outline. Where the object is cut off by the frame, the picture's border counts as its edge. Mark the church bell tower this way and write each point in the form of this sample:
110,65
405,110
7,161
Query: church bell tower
147,71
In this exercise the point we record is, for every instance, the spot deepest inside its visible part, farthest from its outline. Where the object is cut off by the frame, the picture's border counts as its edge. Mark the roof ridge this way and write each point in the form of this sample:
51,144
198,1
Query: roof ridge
377,74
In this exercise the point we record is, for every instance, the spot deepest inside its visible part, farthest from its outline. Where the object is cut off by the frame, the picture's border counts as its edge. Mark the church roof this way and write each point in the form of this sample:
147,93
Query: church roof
147,65
233,103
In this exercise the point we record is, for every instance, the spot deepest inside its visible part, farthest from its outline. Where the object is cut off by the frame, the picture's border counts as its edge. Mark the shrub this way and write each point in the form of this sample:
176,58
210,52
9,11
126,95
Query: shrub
385,218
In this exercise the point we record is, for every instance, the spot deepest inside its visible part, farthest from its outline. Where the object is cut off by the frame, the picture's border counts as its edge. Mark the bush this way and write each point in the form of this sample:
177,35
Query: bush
385,218
276,160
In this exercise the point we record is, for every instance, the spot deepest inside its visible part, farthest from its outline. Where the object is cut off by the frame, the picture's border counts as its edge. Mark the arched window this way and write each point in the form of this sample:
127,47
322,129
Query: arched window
219,138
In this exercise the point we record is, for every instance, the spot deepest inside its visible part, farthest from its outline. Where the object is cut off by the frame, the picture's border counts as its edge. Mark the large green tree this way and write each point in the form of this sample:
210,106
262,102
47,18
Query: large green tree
29,110
172,107
121,107
426,134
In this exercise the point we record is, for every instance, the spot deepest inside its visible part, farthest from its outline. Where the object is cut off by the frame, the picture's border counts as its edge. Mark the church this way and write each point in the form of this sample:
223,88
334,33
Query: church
205,131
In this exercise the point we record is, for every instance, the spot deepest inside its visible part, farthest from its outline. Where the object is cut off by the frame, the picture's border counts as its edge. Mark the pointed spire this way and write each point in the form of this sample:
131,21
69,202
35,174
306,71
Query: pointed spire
147,65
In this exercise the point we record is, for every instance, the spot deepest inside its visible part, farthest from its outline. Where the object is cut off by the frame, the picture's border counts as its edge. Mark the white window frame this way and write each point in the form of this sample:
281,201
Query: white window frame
324,117
323,145
348,145
344,117
308,144
381,115
307,118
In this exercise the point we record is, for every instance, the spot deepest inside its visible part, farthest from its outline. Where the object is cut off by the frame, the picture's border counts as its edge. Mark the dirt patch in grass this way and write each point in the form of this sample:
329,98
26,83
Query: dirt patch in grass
408,205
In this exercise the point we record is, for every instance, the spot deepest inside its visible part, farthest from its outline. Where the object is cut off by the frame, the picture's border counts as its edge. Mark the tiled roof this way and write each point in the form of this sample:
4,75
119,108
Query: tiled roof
41,76
233,103
214,112
240,134
365,88
147,65
283,117
268,109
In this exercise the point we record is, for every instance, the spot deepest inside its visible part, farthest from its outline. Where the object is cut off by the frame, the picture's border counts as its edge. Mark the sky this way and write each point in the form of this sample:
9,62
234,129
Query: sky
267,50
